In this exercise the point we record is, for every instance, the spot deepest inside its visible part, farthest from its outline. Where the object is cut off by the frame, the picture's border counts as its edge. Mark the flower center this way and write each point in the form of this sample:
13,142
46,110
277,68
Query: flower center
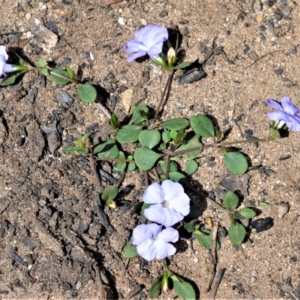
164,203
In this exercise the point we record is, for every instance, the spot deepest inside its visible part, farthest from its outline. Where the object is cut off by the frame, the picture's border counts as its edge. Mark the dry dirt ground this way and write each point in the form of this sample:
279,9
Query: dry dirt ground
53,244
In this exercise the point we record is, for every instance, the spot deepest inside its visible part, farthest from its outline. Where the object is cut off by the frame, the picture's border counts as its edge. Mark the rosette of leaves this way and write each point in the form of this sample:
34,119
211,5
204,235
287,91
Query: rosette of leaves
237,231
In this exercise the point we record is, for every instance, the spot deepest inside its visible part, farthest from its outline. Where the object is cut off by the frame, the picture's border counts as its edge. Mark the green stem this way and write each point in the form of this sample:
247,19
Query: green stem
64,77
220,145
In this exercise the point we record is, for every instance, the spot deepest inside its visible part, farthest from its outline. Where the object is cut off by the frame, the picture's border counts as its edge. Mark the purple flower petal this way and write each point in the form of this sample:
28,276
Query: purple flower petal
153,194
278,116
171,217
155,213
181,204
169,235
171,189
163,249
144,232
288,106
3,52
147,250
274,104
135,56
148,40
294,123
157,245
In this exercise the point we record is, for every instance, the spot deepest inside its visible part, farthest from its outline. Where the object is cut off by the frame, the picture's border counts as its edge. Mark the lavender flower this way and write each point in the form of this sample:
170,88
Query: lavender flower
148,40
4,67
286,113
169,203
152,242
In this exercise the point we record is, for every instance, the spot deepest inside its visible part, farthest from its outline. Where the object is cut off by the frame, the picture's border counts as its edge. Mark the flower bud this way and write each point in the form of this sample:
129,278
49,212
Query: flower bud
171,55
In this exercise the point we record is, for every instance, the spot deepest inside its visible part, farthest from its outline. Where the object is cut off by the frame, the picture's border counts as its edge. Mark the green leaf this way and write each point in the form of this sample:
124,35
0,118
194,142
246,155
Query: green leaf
129,251
42,63
204,239
129,134
45,72
177,177
230,201
110,193
76,149
149,138
131,165
263,203
191,166
192,143
120,166
88,134
155,289
176,124
59,76
236,233
182,65
70,72
166,137
108,149
189,227
9,80
114,122
163,165
183,288
145,158
177,136
87,93
247,213
235,162
138,114
202,126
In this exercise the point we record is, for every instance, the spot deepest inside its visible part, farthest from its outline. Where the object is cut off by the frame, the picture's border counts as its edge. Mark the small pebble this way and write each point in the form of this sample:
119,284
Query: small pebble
259,19
283,2
122,21
64,97
253,279
163,13
278,16
278,71
283,209
28,16
286,11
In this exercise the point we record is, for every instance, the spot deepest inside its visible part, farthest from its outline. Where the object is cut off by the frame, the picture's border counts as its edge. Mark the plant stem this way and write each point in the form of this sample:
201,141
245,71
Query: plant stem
164,97
219,145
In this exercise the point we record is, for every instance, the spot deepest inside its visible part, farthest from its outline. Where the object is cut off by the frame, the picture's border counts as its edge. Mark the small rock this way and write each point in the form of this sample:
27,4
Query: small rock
163,13
28,16
283,209
192,75
259,19
278,71
262,224
32,94
286,11
46,38
64,97
278,16
122,21
127,99
3,132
